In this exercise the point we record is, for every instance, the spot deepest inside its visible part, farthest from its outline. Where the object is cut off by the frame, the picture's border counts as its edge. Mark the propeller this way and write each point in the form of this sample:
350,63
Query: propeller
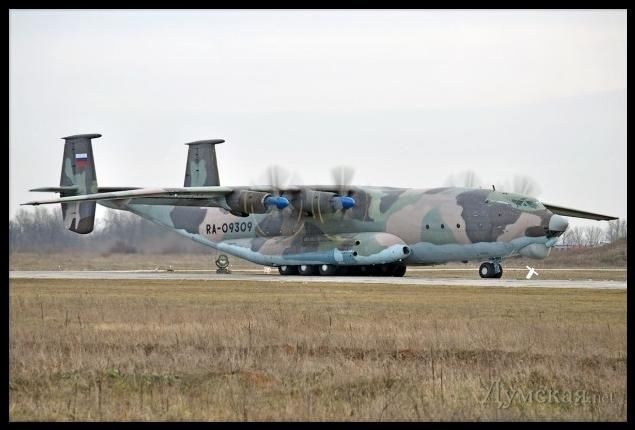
278,178
520,184
343,178
466,178
523,184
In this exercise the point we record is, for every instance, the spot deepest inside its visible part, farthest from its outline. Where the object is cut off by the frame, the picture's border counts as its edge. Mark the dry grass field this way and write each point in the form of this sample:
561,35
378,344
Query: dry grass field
192,350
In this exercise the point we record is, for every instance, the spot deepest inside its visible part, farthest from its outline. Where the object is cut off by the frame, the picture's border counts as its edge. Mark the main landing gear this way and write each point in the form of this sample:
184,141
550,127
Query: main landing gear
390,269
491,270
288,270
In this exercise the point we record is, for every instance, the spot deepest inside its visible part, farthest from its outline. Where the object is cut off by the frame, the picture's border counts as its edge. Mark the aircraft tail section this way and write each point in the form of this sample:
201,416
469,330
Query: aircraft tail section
78,178
202,169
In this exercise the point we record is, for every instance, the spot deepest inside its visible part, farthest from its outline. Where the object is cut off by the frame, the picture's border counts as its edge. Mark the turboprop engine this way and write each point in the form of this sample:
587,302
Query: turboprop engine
245,202
323,202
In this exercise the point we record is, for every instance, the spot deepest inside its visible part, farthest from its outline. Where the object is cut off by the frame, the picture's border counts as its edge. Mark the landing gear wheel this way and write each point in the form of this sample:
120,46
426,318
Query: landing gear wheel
327,269
306,270
288,270
486,270
385,270
364,271
399,271
344,271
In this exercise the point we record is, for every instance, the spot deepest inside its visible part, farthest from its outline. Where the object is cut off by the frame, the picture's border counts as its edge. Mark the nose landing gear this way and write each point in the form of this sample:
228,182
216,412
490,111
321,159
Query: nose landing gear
490,270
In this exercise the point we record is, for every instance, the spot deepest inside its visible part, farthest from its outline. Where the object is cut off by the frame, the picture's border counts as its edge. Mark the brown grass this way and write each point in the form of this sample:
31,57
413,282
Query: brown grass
191,350
610,255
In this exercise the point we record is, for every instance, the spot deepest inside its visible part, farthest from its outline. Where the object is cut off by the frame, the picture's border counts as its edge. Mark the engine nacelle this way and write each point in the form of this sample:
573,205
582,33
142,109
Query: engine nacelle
535,250
323,202
245,202
317,202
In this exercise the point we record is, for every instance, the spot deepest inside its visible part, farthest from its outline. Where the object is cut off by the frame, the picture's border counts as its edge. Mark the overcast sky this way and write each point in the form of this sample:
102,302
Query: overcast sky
406,97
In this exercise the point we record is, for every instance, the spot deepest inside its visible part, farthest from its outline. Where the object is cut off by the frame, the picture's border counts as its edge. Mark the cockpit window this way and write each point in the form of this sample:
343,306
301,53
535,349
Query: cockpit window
519,201
523,202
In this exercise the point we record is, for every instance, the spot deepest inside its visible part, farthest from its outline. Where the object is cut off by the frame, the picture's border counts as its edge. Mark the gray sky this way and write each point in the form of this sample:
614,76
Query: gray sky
406,97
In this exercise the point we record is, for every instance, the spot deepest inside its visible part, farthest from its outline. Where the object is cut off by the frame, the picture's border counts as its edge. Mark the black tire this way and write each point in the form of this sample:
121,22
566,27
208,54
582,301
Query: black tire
351,270
385,270
306,270
399,271
344,271
288,270
486,270
364,271
327,269
499,274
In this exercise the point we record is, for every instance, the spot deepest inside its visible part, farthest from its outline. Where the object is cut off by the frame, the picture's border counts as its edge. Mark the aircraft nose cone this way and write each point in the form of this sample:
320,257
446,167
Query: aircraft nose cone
558,223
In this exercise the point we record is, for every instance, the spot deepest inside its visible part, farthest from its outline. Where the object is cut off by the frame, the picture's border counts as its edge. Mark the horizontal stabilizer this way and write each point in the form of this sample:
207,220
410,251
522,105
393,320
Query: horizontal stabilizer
190,196
112,189
578,213
67,189
296,188
72,188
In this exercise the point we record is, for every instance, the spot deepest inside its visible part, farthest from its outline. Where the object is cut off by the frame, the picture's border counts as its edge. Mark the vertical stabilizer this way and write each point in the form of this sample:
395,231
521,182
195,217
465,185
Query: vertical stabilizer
78,173
201,169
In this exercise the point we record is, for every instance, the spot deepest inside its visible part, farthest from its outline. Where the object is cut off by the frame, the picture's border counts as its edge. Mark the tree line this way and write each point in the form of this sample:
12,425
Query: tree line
42,229
594,235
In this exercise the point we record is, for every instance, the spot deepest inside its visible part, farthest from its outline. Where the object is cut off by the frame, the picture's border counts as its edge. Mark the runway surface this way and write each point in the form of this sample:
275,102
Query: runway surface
274,277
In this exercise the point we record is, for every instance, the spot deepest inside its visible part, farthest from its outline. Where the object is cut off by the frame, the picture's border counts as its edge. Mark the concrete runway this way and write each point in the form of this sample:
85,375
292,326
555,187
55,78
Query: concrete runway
274,277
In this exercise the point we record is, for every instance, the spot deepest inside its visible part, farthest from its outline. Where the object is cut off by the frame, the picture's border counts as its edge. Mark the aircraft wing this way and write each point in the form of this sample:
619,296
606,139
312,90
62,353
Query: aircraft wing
210,196
73,189
295,188
578,213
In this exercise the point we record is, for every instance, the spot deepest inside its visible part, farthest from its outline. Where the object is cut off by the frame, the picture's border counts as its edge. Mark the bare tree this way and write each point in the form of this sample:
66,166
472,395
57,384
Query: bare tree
565,238
593,235
575,236
467,179
616,230
622,230
41,230
523,184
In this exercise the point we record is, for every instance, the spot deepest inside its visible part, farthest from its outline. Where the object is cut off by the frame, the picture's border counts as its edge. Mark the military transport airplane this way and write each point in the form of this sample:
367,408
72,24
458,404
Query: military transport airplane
325,229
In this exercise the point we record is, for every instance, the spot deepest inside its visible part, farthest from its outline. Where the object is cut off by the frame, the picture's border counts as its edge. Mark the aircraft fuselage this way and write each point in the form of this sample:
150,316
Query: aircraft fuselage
387,225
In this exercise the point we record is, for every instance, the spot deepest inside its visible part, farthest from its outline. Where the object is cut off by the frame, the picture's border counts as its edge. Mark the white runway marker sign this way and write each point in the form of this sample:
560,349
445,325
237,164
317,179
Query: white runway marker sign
531,272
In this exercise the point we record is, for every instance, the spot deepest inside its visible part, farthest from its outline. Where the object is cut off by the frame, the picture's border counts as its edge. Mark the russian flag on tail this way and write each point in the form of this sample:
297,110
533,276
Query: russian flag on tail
81,159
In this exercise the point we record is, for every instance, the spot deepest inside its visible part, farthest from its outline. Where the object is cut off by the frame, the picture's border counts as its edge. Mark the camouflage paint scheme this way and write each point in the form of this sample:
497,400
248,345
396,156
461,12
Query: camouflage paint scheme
386,225
435,225
79,217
